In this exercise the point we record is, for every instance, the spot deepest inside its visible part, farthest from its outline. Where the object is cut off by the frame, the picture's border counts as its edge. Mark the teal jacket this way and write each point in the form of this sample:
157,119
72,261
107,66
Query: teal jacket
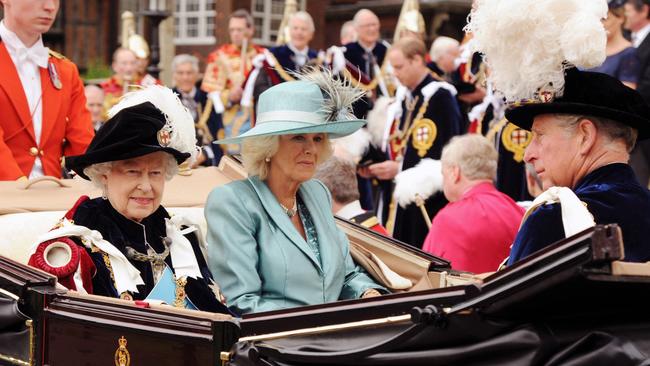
261,261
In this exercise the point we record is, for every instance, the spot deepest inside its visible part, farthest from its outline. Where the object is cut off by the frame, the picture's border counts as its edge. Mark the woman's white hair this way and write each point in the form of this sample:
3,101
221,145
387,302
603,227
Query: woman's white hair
528,44
256,150
96,171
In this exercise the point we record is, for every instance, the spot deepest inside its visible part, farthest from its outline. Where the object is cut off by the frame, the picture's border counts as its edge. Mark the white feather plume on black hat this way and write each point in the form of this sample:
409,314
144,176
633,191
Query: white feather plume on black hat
528,44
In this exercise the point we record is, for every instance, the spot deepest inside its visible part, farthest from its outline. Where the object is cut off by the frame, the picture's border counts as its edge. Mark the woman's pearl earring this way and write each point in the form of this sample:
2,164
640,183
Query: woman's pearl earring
267,159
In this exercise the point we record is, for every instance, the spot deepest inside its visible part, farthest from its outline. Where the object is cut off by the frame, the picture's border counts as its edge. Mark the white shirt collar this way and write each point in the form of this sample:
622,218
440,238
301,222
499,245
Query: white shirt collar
368,49
350,210
303,52
37,53
638,37
191,93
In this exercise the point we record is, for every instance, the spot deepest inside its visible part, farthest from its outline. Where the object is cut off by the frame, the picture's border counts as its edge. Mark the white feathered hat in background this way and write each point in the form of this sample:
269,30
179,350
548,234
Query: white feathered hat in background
144,121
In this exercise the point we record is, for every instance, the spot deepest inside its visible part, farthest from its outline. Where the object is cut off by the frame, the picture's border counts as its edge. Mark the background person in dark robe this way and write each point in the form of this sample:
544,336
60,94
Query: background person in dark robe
430,117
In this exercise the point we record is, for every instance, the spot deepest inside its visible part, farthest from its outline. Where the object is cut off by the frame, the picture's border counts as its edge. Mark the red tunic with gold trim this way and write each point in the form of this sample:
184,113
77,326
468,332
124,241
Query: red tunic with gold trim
227,69
67,127
224,68
114,88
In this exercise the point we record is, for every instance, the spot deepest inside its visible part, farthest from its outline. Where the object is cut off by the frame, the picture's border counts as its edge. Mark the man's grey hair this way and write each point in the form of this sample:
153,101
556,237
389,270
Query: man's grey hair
473,154
441,46
348,31
613,130
184,58
305,17
256,150
340,177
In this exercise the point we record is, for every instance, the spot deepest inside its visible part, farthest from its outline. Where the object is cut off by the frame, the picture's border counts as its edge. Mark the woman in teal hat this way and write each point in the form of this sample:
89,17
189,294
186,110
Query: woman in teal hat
272,239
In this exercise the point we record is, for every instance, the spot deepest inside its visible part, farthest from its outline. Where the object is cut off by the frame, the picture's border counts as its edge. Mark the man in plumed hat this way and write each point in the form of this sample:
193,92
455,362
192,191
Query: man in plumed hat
583,124
583,141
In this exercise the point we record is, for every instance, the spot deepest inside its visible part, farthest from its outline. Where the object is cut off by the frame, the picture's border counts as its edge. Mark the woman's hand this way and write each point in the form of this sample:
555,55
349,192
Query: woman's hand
371,292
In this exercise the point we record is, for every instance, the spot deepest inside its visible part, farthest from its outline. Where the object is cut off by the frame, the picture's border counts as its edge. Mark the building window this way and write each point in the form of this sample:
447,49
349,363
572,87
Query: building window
194,22
267,15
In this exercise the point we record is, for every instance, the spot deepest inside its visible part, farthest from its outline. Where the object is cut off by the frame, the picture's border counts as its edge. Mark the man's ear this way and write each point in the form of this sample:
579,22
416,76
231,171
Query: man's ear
455,173
588,133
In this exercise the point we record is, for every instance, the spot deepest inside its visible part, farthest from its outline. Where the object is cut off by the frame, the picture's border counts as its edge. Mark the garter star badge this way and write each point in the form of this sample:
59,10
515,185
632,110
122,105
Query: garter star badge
516,140
423,135
164,137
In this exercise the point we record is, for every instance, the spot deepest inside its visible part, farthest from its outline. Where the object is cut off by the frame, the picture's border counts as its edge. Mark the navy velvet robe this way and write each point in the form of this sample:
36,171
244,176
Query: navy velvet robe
98,214
613,195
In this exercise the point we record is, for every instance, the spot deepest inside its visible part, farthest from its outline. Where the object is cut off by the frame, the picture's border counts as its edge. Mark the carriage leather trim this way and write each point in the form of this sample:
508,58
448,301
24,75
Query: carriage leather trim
378,269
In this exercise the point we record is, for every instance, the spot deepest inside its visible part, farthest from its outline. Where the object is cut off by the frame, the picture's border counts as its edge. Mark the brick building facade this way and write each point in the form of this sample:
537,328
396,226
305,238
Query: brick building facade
88,31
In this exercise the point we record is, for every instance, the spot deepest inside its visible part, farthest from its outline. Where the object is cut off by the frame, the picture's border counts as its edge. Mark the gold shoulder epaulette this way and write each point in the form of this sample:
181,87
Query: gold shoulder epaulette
56,55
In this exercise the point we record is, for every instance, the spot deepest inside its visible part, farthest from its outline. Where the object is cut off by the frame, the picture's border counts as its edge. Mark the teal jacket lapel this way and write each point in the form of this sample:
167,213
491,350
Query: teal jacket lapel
280,219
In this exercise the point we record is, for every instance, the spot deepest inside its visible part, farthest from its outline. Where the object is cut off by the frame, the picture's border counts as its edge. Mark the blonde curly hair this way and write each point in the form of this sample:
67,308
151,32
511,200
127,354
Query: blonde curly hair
255,150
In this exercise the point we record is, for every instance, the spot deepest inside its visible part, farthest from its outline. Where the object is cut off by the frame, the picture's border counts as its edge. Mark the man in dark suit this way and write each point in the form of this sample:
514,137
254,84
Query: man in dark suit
637,20
185,69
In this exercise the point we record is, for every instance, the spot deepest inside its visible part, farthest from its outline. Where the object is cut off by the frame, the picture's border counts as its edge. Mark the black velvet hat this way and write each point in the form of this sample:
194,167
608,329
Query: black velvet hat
133,131
589,94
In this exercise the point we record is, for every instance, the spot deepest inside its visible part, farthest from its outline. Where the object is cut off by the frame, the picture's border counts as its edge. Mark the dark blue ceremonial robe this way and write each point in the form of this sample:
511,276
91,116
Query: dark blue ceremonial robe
214,123
442,109
613,195
358,58
98,214
286,59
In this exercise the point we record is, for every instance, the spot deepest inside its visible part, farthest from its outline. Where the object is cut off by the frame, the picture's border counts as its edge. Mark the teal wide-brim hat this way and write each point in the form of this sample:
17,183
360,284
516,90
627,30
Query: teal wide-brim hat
318,103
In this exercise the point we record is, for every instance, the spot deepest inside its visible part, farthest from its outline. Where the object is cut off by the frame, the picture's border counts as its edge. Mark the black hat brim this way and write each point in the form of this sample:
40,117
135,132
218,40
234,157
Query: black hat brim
132,132
80,162
524,115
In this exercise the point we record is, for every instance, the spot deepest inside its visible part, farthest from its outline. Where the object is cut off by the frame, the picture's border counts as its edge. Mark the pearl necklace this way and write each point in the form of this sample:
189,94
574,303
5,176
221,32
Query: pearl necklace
291,212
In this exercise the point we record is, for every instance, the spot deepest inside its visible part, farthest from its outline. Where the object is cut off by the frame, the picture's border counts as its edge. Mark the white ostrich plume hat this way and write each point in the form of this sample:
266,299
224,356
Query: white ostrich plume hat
528,44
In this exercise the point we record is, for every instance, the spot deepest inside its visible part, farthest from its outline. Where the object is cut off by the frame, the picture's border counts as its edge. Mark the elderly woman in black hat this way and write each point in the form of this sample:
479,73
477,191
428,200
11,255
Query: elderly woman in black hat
272,238
124,244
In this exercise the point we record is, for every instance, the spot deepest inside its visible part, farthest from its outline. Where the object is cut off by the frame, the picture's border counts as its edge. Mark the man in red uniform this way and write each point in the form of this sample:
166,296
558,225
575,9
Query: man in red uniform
227,69
44,115
125,76
475,230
